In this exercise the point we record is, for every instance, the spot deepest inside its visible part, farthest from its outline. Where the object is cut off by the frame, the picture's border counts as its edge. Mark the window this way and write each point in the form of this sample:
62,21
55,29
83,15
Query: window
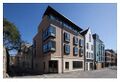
87,46
50,31
81,51
66,65
92,47
52,17
87,54
89,37
92,55
75,50
81,43
50,46
75,41
67,49
77,64
67,37
45,48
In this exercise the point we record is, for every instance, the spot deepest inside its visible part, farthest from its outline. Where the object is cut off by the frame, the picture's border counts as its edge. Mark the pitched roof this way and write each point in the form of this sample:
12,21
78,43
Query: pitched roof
84,32
52,11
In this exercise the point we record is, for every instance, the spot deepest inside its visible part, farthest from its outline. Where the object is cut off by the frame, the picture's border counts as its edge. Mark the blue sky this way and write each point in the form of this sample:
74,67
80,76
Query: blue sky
101,18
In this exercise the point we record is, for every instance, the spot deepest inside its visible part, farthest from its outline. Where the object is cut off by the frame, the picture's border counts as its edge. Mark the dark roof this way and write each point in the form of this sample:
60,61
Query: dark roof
52,11
84,32
110,50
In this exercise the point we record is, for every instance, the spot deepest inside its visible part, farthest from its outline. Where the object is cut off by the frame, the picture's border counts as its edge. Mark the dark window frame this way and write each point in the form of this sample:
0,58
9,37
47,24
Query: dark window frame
66,65
75,51
67,49
77,64
66,37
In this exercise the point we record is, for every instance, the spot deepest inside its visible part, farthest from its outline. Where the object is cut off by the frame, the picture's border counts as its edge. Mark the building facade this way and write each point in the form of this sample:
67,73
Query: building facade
88,49
23,59
5,63
110,58
58,45
99,52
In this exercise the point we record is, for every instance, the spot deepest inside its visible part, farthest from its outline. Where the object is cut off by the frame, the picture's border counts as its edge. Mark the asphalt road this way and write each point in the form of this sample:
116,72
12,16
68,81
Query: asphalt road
110,72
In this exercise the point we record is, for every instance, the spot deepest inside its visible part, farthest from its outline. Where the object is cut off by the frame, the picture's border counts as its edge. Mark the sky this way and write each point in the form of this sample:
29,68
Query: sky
101,18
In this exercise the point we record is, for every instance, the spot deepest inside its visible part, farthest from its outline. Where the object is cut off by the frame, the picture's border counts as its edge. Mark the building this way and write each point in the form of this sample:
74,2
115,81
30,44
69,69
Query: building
88,49
12,60
110,58
5,63
23,59
99,52
58,44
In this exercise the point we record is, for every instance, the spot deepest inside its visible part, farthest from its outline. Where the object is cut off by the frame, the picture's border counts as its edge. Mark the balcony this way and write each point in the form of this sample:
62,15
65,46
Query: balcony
49,47
49,32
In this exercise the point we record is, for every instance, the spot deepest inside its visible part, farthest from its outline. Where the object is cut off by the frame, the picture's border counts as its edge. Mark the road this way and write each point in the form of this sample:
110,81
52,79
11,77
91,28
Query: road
110,72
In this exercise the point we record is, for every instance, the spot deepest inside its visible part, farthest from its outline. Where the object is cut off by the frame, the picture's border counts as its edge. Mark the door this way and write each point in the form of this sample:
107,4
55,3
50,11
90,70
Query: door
53,66
86,66
91,66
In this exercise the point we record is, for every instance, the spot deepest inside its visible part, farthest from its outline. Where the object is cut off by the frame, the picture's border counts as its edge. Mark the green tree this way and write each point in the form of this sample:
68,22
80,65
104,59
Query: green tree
11,36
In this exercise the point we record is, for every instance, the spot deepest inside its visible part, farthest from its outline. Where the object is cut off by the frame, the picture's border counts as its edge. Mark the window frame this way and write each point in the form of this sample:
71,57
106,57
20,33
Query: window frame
66,37
75,51
67,49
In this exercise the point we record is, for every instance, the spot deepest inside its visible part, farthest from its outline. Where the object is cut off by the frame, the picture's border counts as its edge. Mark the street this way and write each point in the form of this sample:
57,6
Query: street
110,72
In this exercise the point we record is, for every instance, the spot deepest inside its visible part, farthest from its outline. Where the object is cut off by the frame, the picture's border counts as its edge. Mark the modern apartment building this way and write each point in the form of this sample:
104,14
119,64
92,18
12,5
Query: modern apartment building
88,49
99,52
110,58
58,44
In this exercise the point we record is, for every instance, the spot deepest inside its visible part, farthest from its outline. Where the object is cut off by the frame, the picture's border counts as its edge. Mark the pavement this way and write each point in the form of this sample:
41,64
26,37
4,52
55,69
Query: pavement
110,72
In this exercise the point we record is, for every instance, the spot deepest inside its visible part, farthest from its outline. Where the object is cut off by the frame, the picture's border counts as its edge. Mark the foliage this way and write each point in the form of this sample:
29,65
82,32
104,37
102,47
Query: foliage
11,35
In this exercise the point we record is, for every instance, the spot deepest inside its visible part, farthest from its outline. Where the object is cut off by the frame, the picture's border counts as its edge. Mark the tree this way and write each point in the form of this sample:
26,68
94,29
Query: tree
11,36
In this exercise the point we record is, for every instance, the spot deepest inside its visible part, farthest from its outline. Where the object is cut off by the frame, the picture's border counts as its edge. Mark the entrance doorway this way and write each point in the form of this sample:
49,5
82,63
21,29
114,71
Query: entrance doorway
53,66
91,66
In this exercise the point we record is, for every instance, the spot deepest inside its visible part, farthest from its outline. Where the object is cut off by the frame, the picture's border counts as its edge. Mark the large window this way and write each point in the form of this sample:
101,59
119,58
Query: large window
75,41
66,65
77,64
67,37
50,31
75,50
81,43
87,46
50,46
67,49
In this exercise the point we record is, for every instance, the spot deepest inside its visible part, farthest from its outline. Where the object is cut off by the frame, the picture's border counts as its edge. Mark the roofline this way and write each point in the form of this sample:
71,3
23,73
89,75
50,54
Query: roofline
54,12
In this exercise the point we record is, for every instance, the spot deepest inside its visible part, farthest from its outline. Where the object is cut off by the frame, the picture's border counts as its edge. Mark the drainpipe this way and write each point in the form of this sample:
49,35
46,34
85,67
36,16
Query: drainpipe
84,54
62,49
